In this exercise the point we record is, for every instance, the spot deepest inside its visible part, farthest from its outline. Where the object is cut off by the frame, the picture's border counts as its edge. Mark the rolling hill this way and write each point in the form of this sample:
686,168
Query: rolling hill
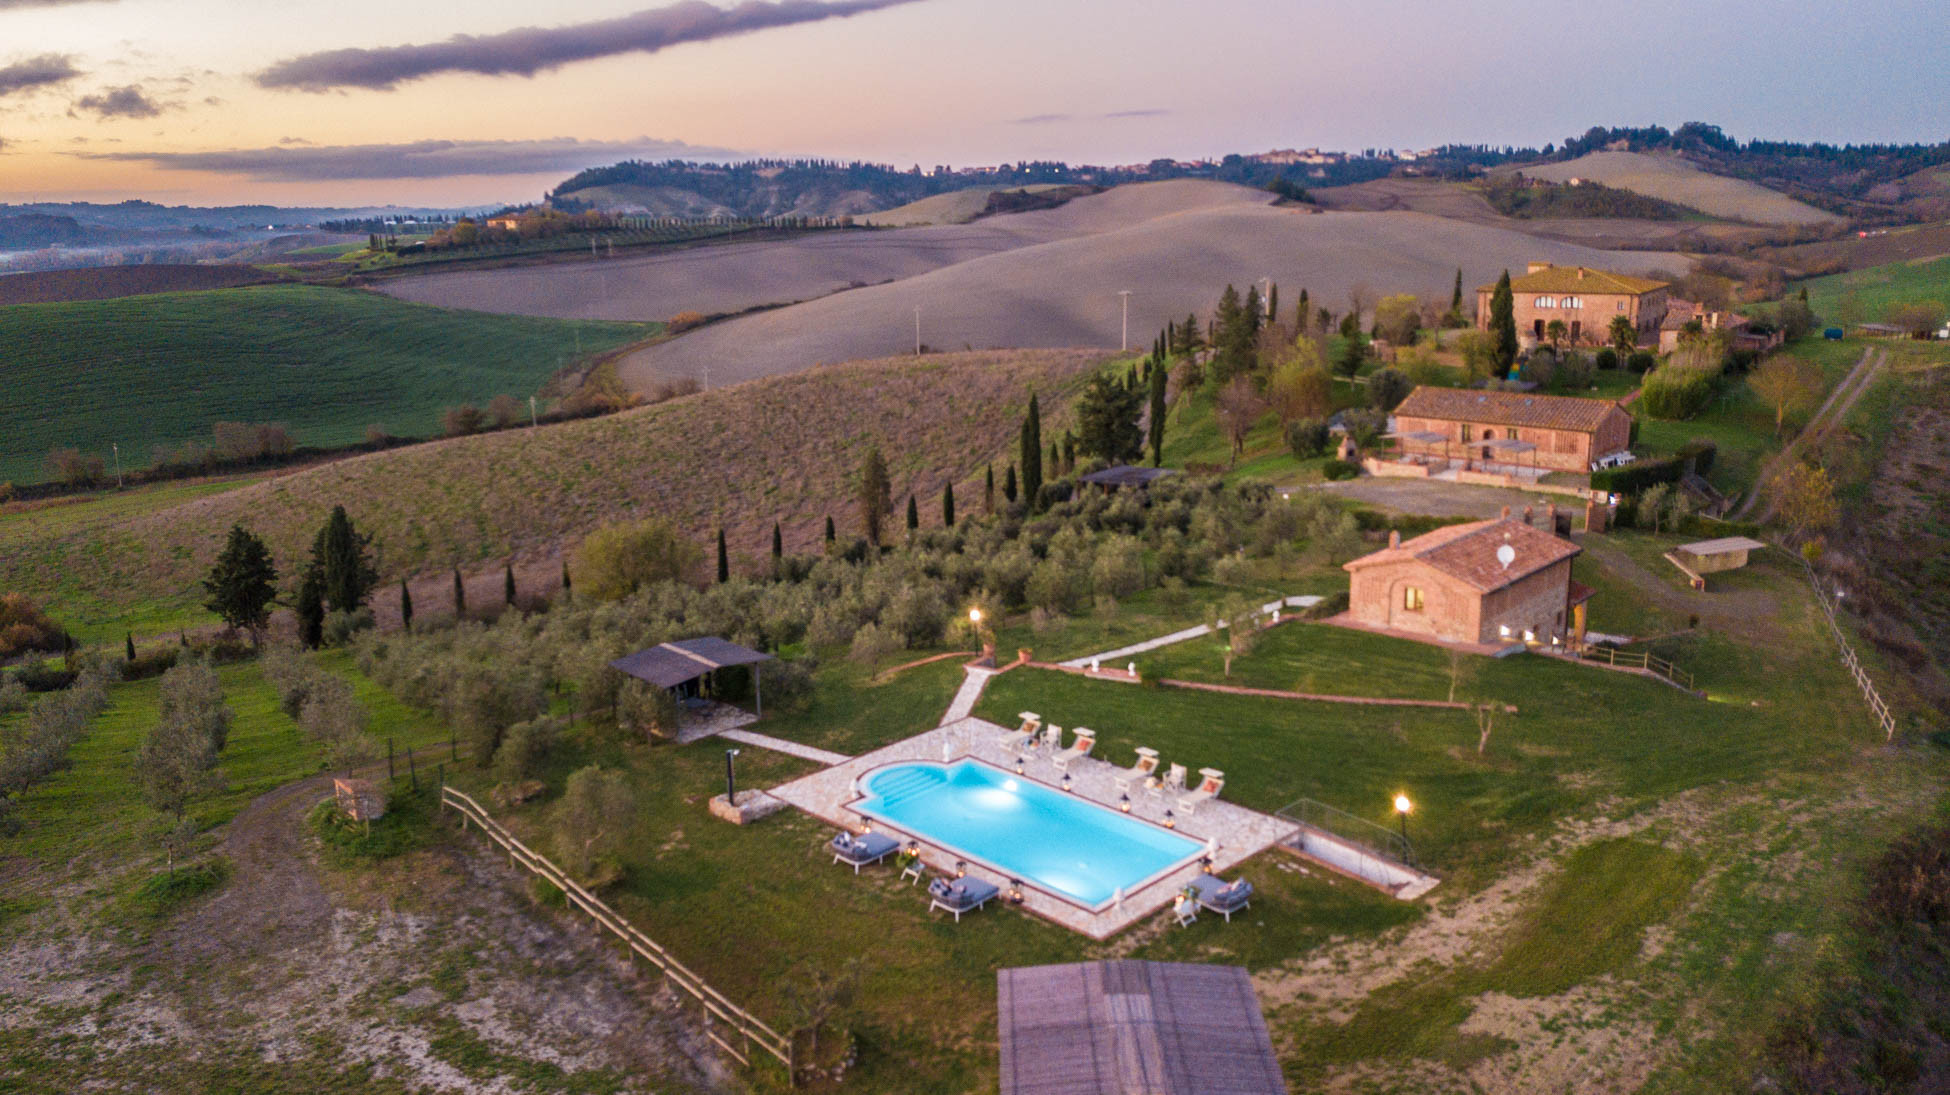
960,206
1174,260
706,461
1671,179
159,370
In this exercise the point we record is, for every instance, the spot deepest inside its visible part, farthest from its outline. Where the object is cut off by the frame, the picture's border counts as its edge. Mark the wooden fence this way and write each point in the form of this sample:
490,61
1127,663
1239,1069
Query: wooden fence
1638,659
1849,661
749,1029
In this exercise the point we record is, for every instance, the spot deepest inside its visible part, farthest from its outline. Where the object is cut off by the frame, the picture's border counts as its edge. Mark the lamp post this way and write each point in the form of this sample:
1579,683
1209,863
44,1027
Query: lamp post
1402,807
730,782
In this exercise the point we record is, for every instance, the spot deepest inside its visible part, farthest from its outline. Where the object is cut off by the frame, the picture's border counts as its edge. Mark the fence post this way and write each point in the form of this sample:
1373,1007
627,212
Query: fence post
390,776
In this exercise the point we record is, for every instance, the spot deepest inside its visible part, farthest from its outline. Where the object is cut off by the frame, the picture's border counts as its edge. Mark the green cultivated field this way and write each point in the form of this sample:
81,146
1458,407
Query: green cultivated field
1875,289
159,370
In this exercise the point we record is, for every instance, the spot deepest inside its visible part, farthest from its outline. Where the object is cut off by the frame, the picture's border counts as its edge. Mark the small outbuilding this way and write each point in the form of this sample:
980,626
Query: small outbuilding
1486,582
1125,475
1124,1026
679,666
1697,560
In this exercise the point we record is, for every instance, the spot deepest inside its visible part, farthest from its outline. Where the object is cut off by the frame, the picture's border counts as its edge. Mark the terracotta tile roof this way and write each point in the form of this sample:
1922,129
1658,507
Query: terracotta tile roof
1469,552
1552,412
1577,279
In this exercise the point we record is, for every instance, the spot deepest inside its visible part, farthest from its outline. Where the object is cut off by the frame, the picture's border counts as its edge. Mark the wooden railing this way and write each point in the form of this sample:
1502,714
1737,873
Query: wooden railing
1638,659
749,1029
1849,661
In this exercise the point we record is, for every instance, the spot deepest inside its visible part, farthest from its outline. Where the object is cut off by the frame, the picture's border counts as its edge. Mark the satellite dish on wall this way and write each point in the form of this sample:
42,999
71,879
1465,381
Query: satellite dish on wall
1506,555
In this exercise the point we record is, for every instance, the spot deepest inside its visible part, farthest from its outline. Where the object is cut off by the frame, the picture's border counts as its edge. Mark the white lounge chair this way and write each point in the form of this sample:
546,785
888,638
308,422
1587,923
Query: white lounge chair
1173,784
1147,763
1211,782
1079,748
1052,738
1014,740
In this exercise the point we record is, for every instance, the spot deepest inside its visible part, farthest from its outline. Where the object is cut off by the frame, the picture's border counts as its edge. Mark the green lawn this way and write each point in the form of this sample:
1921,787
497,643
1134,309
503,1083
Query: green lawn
159,370
1871,292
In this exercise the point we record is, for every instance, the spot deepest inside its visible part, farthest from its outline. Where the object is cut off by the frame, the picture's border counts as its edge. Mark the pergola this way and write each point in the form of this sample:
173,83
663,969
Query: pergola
1502,446
672,665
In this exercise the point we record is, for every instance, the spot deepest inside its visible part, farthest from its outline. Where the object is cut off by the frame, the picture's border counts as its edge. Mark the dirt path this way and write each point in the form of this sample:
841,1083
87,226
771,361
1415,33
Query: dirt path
1832,412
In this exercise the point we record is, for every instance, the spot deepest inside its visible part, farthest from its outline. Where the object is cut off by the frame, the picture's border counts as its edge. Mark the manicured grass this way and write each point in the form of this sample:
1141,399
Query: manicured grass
160,370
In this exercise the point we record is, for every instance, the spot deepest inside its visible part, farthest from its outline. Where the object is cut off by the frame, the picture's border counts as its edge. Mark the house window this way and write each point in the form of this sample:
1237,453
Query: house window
1412,598
1573,302
1546,302
1465,431
1621,305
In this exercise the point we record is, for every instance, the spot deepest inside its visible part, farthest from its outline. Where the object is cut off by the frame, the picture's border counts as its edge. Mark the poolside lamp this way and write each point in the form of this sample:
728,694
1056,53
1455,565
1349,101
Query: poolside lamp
1205,862
1018,764
1171,822
1402,807
866,826
961,868
975,616
1124,803
1066,781
1015,891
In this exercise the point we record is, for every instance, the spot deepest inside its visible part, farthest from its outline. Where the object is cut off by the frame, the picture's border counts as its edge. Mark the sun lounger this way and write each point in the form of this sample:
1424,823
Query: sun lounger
1080,748
1147,763
1224,898
1212,781
1173,784
859,851
960,895
1014,740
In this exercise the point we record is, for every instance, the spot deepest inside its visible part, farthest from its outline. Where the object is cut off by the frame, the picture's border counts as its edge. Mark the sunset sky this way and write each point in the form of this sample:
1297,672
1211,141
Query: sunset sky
426,102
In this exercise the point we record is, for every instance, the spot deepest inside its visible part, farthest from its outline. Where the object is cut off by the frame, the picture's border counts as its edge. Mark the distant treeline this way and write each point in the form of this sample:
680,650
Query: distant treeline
1530,199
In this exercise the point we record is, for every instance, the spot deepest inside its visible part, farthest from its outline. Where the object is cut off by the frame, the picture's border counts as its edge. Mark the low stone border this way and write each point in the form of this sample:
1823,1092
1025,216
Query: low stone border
751,806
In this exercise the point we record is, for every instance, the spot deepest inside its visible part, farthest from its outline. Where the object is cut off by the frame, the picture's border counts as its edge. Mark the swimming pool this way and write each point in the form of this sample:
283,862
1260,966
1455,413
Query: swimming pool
1073,848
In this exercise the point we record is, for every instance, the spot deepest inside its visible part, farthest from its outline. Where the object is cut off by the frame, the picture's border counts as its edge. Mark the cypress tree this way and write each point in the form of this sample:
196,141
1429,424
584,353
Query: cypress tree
129,639
1300,313
778,543
508,585
988,489
829,528
1032,453
1455,295
1055,464
724,560
568,587
243,582
1157,418
345,564
913,514
1009,484
405,606
948,506
1503,324
1070,441
311,608
875,506
460,596
1272,301
1250,313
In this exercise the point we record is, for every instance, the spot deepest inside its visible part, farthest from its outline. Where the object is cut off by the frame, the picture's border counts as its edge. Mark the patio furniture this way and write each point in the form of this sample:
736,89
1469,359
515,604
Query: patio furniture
1016,739
1212,781
1147,763
859,851
1172,784
960,895
1080,748
1184,907
910,861
1224,898
1052,738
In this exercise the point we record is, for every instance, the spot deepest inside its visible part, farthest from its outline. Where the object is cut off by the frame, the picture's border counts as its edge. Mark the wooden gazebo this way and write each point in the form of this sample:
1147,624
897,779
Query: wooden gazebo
675,666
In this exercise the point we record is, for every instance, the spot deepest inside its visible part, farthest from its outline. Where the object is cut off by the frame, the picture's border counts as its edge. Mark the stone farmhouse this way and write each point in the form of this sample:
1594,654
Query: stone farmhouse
1487,582
1558,432
1585,300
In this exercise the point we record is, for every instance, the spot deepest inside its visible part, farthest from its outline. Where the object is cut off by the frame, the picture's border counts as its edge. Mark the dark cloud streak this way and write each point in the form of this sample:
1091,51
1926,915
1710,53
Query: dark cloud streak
529,50
120,102
417,160
34,72
21,5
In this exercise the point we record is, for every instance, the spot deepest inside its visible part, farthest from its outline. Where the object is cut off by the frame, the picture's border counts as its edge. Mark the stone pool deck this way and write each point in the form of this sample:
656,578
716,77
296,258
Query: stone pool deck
1238,833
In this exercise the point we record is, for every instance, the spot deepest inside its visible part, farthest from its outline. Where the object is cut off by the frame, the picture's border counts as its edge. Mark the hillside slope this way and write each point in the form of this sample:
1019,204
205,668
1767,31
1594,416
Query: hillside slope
730,278
1065,293
159,370
783,449
1672,179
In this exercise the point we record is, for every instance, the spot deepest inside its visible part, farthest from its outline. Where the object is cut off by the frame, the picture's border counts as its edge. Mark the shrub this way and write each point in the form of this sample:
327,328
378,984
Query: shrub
684,321
788,685
24,627
505,410
1365,426
1387,388
1607,359
1340,469
1119,567
644,708
524,747
1308,438
594,824
1637,476
341,626
1701,451
461,421
1574,373
1676,392
873,642
1641,361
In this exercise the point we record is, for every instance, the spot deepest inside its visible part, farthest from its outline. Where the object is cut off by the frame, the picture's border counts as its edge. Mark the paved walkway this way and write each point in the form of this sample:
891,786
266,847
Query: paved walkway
966,696
1306,601
780,745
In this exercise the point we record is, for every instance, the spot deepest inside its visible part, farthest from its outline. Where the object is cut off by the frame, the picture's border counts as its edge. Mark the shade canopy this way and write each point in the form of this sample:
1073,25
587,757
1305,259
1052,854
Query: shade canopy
668,665
1126,475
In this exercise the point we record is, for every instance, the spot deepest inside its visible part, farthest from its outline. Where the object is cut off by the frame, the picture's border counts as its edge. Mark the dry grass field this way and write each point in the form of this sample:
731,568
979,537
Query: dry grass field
720,280
1064,292
954,207
1669,178
783,449
1466,203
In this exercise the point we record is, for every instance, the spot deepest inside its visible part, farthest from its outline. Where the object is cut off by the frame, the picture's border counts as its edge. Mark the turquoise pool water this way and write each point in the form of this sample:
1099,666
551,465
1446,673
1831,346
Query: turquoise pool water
1048,838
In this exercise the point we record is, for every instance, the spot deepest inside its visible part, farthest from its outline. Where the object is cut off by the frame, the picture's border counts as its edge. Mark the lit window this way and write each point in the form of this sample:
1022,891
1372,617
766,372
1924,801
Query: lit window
1412,598
1621,305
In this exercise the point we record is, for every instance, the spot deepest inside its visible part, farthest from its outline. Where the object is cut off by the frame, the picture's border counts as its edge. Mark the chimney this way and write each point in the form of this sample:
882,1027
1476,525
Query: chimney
1580,273
1394,538
1506,511
1550,515
1528,513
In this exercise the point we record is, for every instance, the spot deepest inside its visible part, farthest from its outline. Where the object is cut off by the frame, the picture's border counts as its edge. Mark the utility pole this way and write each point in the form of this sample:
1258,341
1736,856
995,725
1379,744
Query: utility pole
532,421
117,446
1124,343
917,330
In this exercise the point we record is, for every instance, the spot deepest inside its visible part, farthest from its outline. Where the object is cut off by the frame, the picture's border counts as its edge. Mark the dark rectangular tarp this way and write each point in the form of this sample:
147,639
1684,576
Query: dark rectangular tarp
668,665
1125,475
